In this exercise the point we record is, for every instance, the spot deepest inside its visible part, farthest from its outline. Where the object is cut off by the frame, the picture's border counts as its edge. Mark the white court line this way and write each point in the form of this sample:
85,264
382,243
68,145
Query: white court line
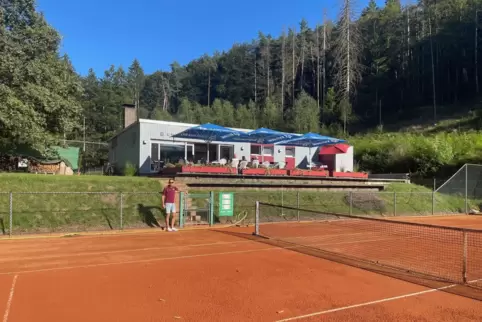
144,260
388,299
119,251
9,302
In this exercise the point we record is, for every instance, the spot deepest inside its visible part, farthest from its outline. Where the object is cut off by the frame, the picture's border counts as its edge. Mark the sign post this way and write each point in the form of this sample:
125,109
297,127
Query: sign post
226,205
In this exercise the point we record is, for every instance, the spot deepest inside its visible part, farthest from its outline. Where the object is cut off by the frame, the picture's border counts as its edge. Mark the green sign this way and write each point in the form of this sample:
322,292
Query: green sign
226,204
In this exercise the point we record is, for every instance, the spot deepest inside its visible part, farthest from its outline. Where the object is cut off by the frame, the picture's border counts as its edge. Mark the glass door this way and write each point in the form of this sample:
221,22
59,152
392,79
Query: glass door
155,166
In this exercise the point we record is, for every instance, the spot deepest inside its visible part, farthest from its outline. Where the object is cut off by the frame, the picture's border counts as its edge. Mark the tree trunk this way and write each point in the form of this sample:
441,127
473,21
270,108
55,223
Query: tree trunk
209,86
283,49
476,45
293,65
318,66
434,92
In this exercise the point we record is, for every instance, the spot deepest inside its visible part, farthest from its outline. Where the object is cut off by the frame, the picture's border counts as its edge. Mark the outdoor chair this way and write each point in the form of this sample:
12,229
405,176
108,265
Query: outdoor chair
234,163
255,163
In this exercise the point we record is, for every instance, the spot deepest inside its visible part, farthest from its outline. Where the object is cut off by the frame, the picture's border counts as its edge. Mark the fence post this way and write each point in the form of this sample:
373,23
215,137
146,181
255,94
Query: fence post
10,199
464,263
394,203
298,204
121,211
351,203
211,208
433,203
466,190
282,197
181,210
256,224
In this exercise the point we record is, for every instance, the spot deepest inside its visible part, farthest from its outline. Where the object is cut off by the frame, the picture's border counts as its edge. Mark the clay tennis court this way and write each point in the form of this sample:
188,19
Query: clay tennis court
207,275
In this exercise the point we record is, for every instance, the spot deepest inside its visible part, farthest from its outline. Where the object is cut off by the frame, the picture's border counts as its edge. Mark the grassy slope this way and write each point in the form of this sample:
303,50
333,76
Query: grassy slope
76,212
410,199
80,212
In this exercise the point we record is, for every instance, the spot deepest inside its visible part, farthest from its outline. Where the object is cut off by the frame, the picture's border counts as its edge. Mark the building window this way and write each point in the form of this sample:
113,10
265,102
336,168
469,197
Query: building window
256,149
290,152
268,150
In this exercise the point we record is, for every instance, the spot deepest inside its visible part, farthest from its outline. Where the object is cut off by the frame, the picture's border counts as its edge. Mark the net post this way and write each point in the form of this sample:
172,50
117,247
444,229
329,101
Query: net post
121,211
298,205
464,263
256,221
394,203
10,200
466,190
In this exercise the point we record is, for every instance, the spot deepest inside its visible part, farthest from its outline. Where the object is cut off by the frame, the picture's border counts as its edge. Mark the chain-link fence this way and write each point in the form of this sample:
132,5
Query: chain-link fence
464,188
407,203
71,212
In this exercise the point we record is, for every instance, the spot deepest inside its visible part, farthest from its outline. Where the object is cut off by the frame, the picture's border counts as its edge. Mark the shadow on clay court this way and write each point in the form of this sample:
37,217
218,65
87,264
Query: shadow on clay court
468,291
147,215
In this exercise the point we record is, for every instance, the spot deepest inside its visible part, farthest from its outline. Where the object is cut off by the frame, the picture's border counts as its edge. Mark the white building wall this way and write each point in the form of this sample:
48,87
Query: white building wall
148,131
125,148
344,161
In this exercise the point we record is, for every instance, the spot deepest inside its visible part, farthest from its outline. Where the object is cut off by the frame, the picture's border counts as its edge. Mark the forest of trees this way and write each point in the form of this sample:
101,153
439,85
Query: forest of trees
359,71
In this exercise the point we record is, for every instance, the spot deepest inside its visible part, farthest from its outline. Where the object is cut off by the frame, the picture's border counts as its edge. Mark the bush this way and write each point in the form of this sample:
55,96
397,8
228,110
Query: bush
420,154
130,170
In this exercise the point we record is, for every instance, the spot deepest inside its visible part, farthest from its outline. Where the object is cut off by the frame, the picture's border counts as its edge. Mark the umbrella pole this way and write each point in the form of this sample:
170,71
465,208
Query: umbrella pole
309,158
207,160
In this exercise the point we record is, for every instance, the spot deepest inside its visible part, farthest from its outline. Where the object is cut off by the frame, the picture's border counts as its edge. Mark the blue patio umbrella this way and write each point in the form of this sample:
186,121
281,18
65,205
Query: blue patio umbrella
264,136
209,132
311,140
267,136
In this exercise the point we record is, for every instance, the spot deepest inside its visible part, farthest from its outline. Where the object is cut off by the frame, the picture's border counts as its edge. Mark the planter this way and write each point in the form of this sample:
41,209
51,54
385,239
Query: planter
254,172
276,172
172,170
308,173
206,169
360,175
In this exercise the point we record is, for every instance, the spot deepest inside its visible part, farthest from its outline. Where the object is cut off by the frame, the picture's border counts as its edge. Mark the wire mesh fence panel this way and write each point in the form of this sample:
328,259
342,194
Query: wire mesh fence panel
141,210
448,204
64,212
414,203
4,213
433,251
371,203
197,208
464,189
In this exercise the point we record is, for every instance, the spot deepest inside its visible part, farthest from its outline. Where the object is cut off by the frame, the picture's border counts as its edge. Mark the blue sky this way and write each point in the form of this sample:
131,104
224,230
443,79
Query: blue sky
99,33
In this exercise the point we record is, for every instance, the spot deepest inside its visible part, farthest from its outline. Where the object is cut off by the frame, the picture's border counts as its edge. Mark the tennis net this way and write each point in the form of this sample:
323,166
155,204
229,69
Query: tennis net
444,253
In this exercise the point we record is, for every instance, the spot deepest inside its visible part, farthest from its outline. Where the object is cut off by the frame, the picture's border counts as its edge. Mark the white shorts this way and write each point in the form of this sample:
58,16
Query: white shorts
170,208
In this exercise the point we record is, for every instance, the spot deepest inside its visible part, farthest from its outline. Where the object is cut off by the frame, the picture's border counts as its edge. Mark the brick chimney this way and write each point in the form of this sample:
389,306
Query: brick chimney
130,114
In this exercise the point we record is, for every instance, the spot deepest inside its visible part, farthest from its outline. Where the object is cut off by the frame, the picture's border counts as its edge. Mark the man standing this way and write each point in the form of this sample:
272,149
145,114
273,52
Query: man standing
169,204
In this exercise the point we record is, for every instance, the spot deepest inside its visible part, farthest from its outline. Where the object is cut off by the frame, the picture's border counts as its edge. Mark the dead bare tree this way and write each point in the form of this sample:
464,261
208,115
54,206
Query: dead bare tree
347,54
434,90
283,76
294,63
476,48
318,65
324,59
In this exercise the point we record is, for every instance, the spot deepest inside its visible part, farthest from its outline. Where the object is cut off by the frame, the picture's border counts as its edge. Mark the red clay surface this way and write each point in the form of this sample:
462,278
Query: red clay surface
203,276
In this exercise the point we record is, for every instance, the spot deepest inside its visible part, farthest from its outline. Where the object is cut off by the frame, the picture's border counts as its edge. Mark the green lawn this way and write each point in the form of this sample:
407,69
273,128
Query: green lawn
45,203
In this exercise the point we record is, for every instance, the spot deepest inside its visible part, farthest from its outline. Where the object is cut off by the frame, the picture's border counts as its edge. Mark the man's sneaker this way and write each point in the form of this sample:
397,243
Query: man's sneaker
173,229
169,229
